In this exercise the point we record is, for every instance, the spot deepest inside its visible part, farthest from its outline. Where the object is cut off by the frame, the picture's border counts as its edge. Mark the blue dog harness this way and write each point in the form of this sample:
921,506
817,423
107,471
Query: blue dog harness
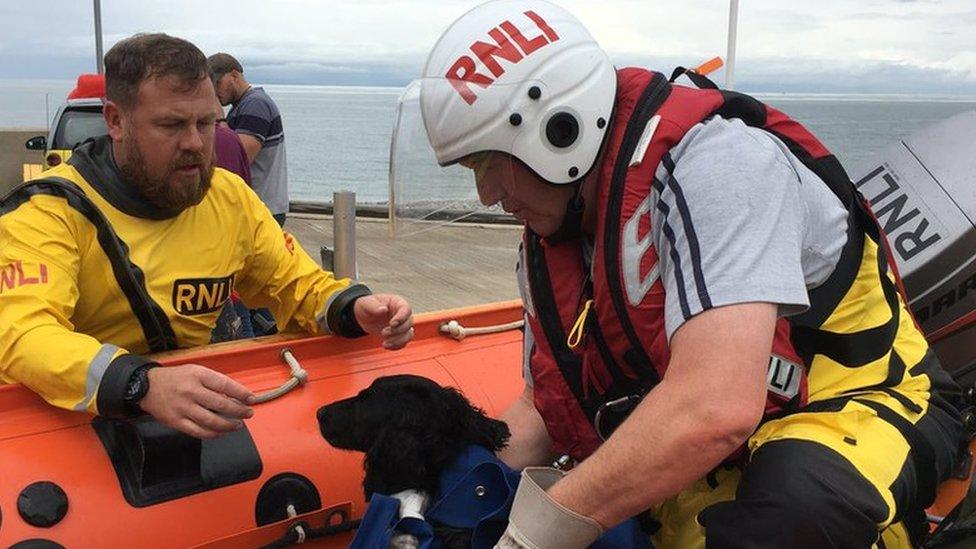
475,493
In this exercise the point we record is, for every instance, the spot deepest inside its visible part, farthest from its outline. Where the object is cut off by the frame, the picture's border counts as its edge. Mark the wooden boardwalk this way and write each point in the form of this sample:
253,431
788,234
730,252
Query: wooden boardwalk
442,268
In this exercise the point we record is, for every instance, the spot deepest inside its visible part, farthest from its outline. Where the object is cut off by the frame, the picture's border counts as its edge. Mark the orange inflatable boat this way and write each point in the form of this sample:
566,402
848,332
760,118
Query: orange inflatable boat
69,480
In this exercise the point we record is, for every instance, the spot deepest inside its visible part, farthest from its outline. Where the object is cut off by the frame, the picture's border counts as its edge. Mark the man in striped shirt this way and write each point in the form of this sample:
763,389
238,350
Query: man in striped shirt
257,121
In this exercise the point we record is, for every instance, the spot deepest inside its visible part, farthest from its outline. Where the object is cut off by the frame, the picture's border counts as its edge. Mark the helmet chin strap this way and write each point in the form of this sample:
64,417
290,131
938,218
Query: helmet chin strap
572,226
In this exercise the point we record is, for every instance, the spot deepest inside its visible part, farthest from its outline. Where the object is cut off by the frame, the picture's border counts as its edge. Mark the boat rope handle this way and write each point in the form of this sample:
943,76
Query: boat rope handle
298,377
455,330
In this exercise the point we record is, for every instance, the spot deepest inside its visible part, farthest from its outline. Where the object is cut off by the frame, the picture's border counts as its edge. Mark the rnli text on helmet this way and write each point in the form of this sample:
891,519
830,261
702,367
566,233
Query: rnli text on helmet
463,72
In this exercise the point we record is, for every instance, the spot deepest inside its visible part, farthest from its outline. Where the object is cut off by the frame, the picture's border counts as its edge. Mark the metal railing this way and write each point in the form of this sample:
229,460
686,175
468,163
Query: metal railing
344,234
341,257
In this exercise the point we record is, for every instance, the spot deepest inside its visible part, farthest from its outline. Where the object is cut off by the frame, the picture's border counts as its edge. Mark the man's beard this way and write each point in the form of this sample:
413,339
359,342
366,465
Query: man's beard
175,197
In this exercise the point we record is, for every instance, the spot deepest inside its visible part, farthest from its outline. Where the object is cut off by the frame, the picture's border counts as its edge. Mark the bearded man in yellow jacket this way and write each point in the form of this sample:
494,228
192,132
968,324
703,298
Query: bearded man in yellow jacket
134,245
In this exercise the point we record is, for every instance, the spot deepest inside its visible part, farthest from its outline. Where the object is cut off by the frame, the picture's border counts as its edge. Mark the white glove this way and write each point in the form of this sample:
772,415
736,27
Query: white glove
538,522
413,503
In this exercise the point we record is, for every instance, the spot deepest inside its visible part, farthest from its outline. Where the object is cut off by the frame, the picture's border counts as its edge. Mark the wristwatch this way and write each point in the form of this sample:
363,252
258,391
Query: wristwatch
136,389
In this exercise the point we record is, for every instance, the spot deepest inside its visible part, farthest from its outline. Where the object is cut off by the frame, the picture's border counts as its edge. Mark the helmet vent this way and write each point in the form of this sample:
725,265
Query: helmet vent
562,130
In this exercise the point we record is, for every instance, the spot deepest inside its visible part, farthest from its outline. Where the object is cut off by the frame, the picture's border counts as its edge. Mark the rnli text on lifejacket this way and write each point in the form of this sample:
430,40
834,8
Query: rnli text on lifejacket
463,72
197,296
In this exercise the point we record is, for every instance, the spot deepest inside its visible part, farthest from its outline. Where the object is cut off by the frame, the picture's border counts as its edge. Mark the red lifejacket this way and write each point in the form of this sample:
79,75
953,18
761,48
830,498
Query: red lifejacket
626,352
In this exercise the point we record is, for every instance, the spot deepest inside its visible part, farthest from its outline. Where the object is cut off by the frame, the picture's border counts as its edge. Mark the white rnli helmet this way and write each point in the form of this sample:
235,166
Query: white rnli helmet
522,77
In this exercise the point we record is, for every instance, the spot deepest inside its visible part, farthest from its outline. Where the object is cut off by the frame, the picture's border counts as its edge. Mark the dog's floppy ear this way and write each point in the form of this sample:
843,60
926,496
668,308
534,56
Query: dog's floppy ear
476,426
397,460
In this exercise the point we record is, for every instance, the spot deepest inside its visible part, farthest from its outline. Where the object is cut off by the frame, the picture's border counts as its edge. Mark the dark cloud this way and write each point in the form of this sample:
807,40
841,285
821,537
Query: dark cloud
369,73
55,66
754,75
877,79
796,76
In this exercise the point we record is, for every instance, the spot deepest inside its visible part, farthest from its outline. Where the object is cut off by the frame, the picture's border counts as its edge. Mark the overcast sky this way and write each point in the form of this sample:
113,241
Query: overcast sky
852,46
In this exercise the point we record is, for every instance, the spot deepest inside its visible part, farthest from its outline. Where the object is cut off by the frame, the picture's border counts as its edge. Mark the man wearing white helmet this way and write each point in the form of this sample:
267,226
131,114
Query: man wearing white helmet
702,280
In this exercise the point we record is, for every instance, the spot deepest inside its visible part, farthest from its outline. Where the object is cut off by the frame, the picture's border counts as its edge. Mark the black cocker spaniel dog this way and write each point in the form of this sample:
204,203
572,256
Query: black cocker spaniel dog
411,429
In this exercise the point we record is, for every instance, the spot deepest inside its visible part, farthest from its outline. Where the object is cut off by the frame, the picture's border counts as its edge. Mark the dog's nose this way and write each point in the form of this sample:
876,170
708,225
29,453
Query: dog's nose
327,426
333,424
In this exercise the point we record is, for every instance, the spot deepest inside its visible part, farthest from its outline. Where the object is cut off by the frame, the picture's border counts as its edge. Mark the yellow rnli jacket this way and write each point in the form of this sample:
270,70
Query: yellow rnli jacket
92,275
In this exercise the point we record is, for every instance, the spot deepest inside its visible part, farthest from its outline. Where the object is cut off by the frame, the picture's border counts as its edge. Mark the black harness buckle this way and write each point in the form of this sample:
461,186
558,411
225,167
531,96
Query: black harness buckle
613,413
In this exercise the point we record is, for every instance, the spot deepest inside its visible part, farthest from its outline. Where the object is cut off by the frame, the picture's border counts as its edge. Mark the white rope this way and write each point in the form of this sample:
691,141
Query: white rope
299,529
298,377
455,330
301,534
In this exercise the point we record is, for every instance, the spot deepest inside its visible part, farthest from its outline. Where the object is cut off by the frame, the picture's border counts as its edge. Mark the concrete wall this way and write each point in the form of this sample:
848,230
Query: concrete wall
13,155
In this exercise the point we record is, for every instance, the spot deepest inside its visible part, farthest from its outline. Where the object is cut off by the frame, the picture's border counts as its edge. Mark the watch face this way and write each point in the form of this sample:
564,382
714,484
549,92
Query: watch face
137,386
133,389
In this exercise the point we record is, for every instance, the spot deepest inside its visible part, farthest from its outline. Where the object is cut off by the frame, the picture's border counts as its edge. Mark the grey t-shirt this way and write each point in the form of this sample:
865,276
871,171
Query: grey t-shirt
255,114
737,218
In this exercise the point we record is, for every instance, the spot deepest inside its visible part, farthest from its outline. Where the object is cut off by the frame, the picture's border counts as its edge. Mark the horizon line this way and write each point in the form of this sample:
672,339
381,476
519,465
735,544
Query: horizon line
963,97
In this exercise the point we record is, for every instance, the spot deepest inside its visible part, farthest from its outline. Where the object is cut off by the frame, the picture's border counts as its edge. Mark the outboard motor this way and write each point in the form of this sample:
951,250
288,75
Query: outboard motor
923,191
